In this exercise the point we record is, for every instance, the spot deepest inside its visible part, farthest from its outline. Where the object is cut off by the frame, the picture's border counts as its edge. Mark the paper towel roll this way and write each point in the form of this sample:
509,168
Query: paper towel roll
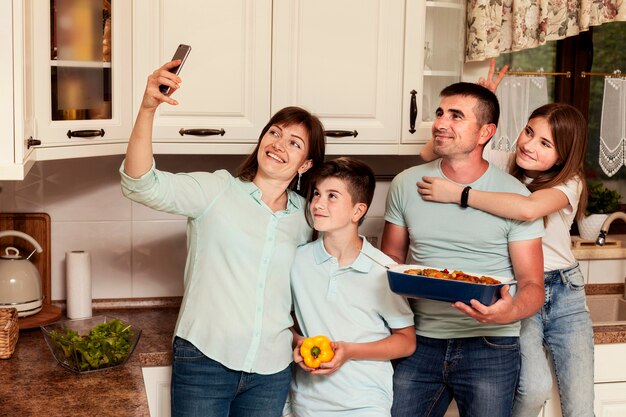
78,284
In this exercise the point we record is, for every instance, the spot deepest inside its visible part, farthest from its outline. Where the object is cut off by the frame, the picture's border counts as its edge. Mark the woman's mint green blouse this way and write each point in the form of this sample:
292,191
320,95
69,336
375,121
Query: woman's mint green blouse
236,303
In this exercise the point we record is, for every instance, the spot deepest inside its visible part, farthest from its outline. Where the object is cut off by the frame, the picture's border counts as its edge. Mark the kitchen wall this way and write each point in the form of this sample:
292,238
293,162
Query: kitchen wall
136,252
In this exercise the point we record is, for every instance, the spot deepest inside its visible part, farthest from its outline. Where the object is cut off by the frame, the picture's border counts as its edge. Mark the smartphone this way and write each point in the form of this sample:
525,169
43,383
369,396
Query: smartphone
181,53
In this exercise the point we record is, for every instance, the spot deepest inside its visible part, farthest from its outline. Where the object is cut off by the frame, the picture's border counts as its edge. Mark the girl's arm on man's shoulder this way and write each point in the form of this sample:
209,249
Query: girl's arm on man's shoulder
507,205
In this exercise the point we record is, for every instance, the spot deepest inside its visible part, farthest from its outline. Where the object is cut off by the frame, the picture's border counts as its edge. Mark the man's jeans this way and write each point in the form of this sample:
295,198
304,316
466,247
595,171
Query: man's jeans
480,373
204,387
563,327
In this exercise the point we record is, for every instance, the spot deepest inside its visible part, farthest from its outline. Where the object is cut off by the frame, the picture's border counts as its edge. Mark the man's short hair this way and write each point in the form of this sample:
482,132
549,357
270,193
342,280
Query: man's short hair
487,111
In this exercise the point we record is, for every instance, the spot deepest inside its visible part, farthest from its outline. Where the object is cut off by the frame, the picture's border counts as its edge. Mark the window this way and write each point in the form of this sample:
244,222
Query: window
601,49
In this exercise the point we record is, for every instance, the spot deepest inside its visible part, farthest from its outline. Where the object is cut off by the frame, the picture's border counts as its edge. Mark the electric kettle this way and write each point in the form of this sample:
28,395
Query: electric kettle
20,282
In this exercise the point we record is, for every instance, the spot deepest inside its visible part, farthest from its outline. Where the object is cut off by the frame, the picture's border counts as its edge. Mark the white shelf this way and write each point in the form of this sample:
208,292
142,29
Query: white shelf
445,5
79,64
437,73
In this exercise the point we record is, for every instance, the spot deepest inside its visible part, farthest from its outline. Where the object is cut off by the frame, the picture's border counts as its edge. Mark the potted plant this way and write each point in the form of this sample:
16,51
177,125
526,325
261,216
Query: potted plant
601,202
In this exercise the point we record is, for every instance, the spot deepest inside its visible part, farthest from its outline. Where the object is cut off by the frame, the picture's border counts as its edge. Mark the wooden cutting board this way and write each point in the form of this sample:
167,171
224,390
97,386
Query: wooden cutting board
37,226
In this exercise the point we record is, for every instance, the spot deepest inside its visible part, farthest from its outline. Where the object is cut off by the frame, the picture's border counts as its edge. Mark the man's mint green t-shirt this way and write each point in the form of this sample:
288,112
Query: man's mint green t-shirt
449,236
237,299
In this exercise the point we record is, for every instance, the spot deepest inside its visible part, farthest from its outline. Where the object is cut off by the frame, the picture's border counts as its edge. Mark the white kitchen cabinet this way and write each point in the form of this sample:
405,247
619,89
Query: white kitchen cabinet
82,74
342,61
225,95
434,47
353,63
610,399
157,380
15,83
610,383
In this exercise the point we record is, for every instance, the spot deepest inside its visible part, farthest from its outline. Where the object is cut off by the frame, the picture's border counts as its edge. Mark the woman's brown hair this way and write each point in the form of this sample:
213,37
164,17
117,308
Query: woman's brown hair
569,131
290,116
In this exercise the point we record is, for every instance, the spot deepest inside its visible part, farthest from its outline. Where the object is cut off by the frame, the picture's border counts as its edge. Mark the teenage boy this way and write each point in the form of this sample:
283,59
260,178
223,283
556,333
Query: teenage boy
340,292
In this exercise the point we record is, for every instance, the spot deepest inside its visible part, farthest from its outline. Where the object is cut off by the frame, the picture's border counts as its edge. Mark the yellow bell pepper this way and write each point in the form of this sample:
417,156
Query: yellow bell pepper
316,350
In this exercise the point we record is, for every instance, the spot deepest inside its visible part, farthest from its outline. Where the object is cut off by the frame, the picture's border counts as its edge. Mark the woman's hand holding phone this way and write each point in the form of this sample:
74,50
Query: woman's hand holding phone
163,82
152,96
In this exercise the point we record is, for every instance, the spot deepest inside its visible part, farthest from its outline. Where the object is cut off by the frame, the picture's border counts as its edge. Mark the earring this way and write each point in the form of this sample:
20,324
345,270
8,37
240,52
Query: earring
299,177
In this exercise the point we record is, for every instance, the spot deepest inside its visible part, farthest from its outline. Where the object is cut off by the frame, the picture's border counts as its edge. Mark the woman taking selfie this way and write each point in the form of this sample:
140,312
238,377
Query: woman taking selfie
232,344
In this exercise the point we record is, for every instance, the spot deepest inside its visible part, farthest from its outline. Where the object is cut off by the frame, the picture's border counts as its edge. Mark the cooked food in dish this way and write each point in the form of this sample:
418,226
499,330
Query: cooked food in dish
454,275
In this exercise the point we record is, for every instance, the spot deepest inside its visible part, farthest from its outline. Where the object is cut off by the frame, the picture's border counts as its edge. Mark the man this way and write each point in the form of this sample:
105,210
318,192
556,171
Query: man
466,352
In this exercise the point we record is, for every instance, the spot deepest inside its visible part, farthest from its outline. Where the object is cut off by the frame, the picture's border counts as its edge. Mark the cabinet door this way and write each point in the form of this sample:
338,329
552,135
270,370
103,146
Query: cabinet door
82,56
610,400
157,381
16,115
433,59
226,78
343,62
7,156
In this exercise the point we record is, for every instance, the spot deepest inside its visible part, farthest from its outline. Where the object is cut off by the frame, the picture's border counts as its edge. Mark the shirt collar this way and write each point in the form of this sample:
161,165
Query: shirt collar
361,264
293,198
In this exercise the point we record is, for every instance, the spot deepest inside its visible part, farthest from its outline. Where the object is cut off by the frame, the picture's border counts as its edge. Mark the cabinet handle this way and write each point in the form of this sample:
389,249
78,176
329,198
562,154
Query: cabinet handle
32,142
340,133
413,112
201,132
85,133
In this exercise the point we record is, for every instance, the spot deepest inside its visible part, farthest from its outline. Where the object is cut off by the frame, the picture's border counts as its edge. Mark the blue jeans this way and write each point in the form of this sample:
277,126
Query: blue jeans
480,373
563,327
204,387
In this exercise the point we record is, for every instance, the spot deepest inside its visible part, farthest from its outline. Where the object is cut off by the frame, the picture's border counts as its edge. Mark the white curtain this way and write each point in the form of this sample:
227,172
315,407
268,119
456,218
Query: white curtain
613,126
518,97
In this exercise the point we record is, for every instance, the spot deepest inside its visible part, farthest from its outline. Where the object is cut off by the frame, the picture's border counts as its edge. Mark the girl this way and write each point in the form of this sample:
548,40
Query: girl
232,345
549,159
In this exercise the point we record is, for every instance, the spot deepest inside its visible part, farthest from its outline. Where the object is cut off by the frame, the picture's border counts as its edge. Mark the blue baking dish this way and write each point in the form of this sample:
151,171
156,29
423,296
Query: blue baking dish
419,286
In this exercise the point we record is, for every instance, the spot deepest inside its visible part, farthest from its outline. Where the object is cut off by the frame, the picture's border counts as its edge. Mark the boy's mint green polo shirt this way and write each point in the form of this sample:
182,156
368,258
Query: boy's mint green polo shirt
352,304
237,300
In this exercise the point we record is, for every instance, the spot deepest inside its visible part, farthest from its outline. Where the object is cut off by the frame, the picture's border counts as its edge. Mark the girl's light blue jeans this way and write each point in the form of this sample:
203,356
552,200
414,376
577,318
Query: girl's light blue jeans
204,387
563,328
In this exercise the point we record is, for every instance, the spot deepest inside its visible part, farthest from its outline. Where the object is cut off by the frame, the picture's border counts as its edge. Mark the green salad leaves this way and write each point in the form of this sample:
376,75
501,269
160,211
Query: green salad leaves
106,345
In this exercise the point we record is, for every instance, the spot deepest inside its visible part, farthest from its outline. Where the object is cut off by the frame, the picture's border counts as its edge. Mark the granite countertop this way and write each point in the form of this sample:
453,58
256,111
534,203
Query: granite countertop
33,383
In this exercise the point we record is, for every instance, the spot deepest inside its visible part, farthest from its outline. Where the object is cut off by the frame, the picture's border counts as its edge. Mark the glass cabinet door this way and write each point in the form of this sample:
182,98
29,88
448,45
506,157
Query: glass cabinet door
443,51
80,59
434,48
83,67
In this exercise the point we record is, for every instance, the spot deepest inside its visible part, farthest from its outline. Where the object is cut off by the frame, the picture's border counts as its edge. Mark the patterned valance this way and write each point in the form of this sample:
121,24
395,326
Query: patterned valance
496,26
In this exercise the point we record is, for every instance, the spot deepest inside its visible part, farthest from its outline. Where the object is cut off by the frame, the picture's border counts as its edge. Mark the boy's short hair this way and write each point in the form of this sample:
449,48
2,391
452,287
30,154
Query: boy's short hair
359,176
488,109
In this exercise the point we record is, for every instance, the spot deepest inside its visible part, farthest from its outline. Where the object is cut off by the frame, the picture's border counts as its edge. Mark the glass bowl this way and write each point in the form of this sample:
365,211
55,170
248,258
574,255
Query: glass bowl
91,344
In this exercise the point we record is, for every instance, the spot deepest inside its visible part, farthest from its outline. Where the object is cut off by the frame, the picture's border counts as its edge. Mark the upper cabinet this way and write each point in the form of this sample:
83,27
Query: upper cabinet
83,71
342,61
225,95
370,69
433,59
16,112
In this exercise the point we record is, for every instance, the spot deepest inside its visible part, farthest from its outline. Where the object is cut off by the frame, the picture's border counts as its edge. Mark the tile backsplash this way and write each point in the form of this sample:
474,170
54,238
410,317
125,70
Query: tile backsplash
136,252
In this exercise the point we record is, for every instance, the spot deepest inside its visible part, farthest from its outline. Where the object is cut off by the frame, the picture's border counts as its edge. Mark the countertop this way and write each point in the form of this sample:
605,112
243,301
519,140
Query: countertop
589,251
33,384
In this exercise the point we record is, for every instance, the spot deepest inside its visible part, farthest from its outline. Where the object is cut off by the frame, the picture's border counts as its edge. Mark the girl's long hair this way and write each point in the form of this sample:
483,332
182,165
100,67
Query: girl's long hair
569,131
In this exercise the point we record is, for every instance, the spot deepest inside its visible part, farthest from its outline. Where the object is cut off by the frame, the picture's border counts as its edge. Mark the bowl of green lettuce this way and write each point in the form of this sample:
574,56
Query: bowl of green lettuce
91,344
